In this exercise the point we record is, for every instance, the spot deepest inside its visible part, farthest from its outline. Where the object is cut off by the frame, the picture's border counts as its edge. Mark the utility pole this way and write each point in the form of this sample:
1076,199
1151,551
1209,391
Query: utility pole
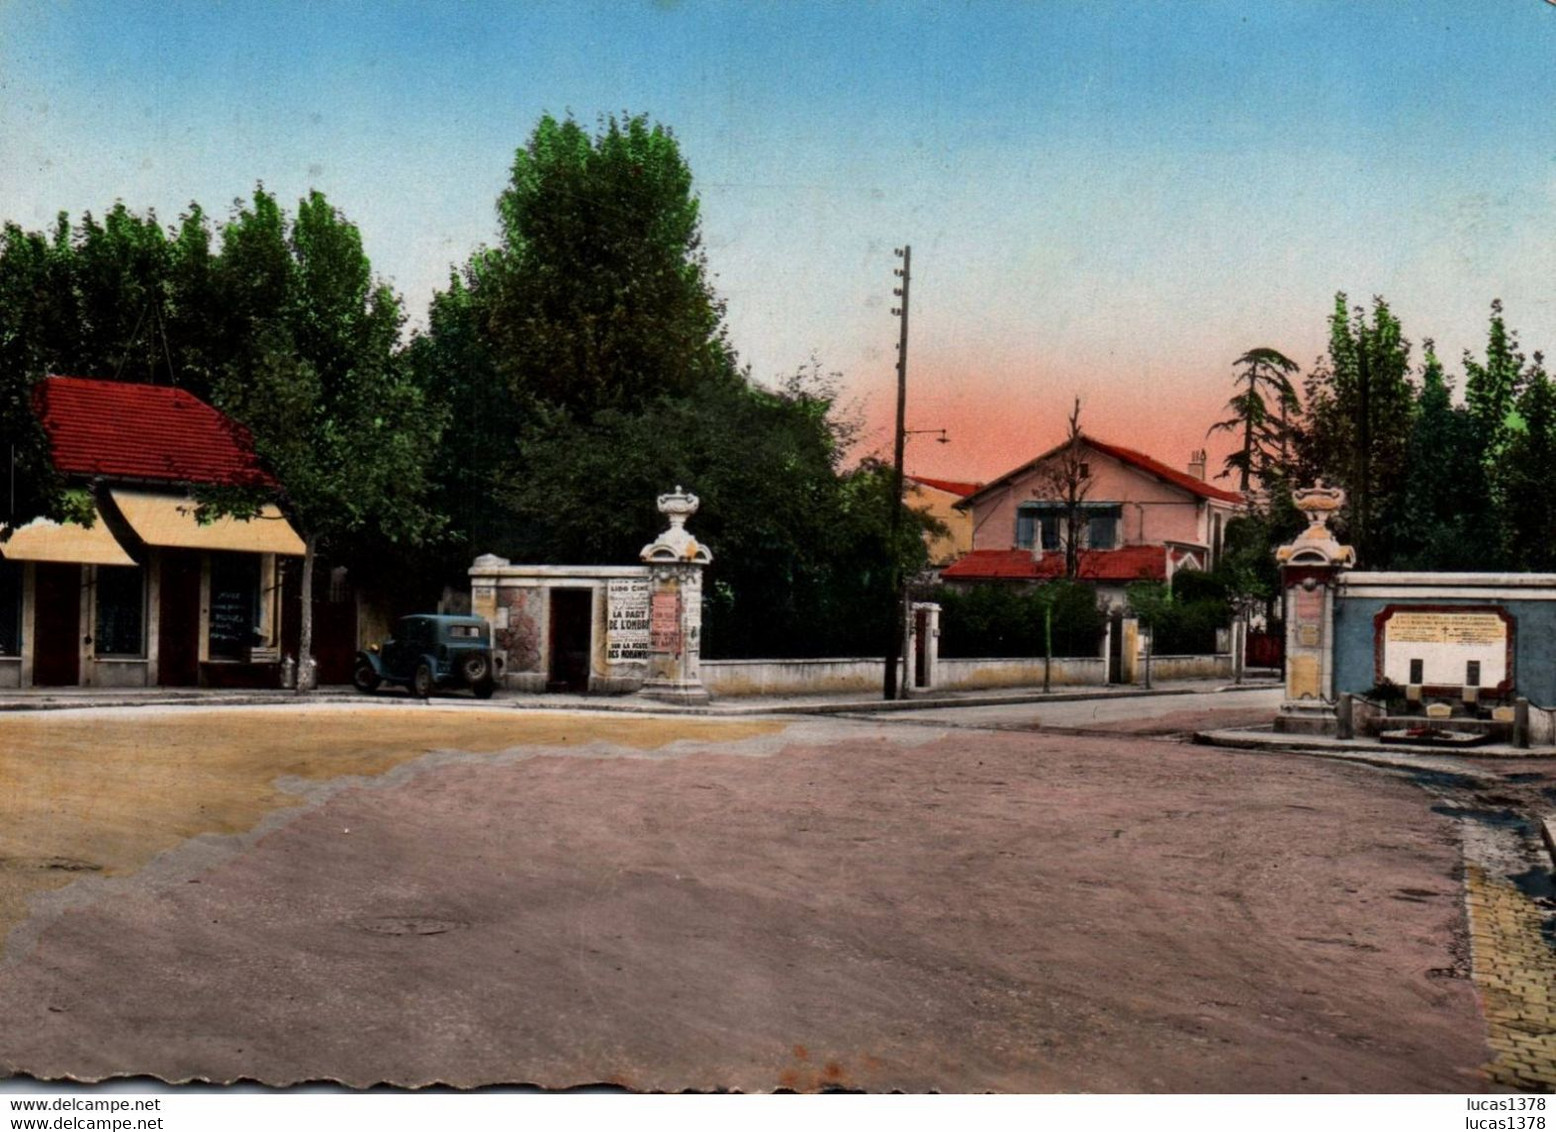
894,603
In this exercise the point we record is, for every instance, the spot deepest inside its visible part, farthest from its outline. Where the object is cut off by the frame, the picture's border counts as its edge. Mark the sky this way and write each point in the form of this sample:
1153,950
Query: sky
1107,201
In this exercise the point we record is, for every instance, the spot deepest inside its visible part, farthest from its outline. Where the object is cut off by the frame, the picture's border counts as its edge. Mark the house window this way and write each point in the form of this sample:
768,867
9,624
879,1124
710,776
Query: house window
1039,521
234,606
121,611
1026,526
10,608
1099,525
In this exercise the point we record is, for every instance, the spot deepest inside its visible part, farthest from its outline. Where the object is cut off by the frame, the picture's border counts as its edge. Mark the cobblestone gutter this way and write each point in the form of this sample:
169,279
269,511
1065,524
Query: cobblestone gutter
1514,969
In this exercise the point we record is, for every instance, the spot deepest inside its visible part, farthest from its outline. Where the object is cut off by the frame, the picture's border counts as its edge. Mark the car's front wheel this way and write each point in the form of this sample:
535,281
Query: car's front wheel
365,676
423,681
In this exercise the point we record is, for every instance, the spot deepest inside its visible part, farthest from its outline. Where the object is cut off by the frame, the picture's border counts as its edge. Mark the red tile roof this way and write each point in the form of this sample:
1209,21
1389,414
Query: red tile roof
1164,471
1127,564
1147,464
954,487
122,430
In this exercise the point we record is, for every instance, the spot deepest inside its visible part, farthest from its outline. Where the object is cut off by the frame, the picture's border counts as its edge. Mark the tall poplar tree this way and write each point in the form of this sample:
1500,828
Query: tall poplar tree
1360,409
313,373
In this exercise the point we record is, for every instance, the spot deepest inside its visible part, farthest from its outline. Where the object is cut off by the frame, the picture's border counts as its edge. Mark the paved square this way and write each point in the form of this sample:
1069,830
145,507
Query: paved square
471,896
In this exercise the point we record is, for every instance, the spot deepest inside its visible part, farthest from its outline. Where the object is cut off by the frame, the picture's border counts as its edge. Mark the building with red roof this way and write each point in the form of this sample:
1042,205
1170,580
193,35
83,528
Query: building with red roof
146,593
1142,519
939,498
127,432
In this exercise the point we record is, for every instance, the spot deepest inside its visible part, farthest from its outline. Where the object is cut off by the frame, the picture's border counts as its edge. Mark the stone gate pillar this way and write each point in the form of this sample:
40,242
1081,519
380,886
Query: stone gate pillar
1311,566
675,561
922,647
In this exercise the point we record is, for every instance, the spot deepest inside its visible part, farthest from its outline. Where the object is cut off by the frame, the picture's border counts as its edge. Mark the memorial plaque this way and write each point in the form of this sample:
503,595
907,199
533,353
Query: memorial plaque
1444,647
627,620
1309,605
1302,678
1307,635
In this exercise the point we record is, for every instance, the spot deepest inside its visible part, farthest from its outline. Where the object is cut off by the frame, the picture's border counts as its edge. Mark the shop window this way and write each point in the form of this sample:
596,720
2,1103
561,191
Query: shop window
10,608
121,611
235,607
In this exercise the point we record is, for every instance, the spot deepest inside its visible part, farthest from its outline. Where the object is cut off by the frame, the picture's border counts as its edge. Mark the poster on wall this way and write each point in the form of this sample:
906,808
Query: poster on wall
665,622
627,622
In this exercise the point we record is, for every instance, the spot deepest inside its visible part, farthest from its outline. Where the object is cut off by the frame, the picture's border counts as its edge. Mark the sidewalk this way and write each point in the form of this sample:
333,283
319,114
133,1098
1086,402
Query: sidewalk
60,699
1271,740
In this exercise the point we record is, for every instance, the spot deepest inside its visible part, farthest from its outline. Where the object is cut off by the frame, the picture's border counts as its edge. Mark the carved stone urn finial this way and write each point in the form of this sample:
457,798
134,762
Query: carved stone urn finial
676,544
1317,545
1318,502
678,506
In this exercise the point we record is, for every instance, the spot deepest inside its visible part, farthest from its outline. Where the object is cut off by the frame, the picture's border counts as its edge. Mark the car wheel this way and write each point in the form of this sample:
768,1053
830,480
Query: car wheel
476,669
422,683
365,677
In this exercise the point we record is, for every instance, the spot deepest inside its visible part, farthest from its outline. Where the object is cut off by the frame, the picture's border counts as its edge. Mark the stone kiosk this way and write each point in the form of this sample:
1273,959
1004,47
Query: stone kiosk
602,629
1310,568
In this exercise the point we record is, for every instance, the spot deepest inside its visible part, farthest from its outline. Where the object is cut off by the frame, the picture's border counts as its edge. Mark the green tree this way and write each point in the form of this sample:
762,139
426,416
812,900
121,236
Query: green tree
1444,520
313,374
1527,471
1356,431
1491,388
600,296
1261,413
1151,602
113,298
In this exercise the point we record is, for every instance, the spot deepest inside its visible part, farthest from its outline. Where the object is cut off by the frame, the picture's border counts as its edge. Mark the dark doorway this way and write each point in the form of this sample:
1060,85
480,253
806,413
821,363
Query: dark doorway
178,623
572,622
334,619
1116,649
56,658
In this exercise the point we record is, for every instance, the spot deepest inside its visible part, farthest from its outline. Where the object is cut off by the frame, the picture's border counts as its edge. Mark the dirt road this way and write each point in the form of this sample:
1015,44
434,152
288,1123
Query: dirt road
402,896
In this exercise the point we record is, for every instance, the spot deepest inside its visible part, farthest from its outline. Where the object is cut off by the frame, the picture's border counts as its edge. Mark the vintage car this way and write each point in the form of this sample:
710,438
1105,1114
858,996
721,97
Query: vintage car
430,651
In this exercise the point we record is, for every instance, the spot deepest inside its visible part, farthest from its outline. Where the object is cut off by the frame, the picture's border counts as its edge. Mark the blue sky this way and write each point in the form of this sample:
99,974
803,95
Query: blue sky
1105,200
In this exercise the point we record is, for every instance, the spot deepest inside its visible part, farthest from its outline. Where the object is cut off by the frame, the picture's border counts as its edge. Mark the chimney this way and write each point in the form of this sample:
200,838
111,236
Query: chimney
1197,463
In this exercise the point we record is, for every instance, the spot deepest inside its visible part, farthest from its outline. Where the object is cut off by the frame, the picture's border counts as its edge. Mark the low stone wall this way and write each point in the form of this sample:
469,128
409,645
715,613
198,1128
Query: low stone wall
863,674
1215,667
1017,672
793,677
834,675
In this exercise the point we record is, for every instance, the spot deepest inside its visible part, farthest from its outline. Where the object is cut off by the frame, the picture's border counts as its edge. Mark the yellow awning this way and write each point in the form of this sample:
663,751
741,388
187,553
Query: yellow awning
44,541
169,520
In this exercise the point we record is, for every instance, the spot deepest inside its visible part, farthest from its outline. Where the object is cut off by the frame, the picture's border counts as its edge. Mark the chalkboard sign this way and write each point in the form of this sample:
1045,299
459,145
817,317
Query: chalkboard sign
231,628
234,604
